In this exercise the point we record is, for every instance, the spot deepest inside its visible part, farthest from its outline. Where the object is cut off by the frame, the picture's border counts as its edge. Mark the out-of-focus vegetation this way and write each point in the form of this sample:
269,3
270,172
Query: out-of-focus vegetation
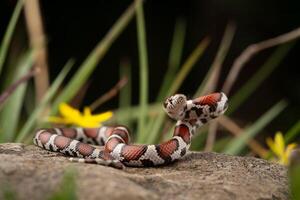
280,149
21,114
18,119
67,188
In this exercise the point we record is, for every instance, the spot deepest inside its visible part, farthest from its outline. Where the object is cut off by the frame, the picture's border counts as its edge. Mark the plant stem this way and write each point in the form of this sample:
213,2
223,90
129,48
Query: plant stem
253,49
143,62
94,58
37,39
110,94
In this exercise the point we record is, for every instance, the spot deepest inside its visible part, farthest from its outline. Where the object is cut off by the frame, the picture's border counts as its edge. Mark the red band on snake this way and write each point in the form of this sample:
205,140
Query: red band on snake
115,149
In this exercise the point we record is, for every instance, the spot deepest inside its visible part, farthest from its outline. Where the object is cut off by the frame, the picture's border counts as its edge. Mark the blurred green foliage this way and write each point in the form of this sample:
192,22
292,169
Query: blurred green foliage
294,176
67,187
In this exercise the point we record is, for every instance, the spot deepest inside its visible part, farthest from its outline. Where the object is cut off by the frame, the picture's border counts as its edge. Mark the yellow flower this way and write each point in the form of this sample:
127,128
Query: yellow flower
277,146
73,116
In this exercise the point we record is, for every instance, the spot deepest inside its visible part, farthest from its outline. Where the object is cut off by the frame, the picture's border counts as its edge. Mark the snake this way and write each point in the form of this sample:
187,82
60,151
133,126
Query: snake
113,142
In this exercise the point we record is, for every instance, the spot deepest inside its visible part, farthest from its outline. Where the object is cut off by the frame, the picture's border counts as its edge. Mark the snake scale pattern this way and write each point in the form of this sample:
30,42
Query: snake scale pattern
115,149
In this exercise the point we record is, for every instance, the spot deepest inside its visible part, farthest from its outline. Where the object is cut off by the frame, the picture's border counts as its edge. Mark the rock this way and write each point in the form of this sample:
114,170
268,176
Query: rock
33,173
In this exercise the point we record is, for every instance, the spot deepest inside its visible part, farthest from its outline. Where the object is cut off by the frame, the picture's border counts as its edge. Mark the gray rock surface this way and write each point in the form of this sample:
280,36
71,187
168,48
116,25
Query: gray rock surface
33,173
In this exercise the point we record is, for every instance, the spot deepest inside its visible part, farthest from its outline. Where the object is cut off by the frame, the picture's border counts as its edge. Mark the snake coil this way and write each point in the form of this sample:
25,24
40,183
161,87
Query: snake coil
115,149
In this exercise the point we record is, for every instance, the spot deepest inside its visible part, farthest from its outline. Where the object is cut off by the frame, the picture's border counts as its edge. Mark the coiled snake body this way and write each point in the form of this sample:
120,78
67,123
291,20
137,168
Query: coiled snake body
115,149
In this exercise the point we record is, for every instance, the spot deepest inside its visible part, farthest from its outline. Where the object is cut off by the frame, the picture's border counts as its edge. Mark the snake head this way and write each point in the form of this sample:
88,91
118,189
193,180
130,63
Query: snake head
175,106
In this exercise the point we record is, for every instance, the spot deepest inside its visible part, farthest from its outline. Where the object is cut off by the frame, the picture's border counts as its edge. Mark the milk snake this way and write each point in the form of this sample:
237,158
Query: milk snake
115,149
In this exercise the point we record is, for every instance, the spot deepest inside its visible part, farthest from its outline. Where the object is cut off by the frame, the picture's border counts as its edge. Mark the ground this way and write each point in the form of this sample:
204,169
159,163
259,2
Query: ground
33,173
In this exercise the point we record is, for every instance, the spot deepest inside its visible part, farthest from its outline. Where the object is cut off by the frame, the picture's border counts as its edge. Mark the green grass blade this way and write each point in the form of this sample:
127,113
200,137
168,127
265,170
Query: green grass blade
221,143
125,92
10,115
68,187
143,62
29,99
238,144
292,133
9,33
174,58
187,66
169,133
10,90
31,121
122,113
209,83
94,58
198,141
294,179
184,71
8,192
155,130
255,81
173,65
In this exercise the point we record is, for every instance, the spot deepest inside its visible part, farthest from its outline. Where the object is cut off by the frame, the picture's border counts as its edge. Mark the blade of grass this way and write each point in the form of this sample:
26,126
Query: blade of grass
94,58
210,81
143,62
77,100
29,102
293,132
294,181
209,84
187,66
10,115
125,93
8,193
29,124
173,64
252,50
174,58
68,187
109,94
211,136
234,129
198,141
169,134
9,33
168,130
237,144
122,113
34,24
184,71
14,86
255,81
11,66
221,143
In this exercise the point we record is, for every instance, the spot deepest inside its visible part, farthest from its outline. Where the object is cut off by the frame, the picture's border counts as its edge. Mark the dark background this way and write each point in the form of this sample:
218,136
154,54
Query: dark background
73,28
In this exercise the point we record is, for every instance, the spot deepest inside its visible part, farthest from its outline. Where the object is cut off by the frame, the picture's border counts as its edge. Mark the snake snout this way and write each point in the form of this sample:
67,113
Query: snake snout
174,105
